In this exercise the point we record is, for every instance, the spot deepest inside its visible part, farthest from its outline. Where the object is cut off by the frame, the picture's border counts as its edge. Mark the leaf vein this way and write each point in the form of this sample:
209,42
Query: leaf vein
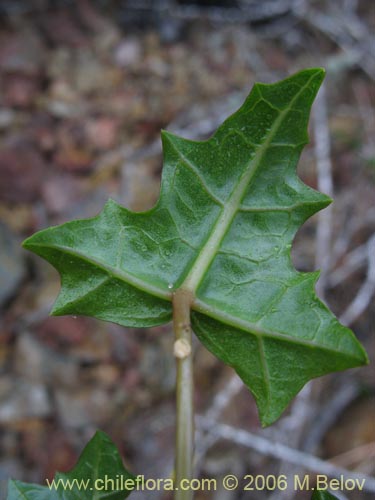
115,272
266,373
186,162
252,328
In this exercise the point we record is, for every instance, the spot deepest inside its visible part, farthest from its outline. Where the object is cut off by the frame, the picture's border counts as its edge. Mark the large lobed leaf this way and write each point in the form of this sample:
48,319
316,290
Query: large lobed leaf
223,226
98,461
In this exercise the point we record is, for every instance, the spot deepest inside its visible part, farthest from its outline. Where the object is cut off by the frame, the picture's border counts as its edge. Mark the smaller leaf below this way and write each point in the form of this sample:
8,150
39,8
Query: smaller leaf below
98,464
323,495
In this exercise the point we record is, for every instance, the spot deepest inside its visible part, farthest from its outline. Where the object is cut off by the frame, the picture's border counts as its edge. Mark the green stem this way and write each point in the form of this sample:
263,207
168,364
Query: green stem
184,392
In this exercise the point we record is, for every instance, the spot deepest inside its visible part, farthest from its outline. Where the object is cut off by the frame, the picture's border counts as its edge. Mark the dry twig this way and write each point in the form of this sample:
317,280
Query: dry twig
328,415
367,290
344,28
325,184
205,441
282,452
353,261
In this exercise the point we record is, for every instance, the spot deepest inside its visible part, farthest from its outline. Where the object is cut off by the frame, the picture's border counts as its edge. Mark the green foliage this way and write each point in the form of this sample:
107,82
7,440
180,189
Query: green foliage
99,460
228,211
323,495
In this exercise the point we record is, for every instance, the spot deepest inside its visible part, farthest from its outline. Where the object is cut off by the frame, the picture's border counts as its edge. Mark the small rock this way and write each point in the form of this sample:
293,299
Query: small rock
59,64
72,408
61,191
7,118
21,170
105,375
90,17
102,132
62,29
86,340
128,52
64,331
19,218
83,407
157,367
63,91
22,52
39,364
91,75
20,91
22,400
41,130
74,156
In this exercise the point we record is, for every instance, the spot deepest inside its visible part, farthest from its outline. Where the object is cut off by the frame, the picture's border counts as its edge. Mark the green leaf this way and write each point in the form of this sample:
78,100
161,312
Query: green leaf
98,461
323,495
228,211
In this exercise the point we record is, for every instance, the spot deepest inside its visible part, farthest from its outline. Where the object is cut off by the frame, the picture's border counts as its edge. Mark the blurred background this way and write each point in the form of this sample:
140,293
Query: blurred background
85,87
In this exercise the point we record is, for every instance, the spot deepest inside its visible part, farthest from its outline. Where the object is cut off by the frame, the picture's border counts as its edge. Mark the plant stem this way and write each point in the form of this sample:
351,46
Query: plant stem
182,300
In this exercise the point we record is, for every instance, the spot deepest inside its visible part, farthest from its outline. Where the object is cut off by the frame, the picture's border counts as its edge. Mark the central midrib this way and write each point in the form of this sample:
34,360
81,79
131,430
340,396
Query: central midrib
260,332
210,248
199,305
